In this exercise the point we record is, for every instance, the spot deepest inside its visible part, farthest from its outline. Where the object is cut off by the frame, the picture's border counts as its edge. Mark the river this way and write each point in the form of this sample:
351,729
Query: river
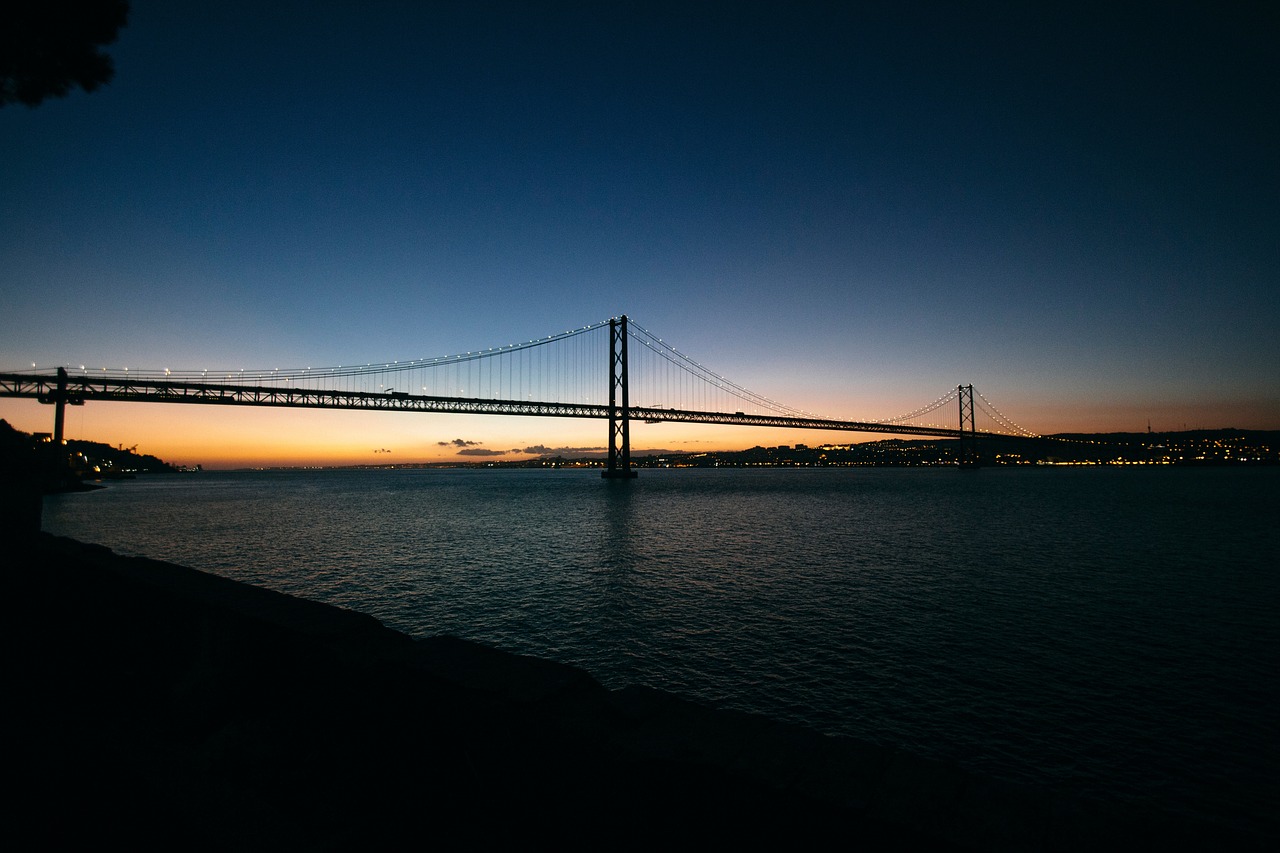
1111,632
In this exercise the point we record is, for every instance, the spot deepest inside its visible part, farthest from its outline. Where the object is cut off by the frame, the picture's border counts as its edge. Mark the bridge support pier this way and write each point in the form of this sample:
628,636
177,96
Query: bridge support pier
619,464
968,429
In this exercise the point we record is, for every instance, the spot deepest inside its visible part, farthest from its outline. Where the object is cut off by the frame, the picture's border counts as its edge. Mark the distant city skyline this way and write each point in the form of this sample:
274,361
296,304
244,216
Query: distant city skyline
850,208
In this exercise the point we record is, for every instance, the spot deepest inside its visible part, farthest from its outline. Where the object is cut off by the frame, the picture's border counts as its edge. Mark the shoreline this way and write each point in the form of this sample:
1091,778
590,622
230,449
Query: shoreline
156,701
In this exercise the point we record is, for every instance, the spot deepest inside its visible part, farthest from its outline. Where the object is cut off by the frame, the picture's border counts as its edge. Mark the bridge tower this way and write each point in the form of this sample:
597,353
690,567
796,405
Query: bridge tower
619,464
60,397
968,428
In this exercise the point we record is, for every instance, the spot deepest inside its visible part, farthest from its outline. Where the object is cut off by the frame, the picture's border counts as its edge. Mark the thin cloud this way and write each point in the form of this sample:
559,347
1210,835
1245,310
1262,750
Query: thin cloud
543,450
458,442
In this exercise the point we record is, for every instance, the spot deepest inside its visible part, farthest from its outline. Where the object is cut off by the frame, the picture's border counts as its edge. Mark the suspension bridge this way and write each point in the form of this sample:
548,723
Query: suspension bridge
595,371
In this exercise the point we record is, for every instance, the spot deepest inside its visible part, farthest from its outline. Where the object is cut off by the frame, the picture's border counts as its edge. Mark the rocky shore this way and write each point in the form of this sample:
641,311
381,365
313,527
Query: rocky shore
157,706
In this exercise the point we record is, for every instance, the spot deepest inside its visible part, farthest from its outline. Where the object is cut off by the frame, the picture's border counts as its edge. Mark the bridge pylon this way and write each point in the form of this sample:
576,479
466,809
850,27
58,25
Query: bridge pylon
968,429
619,464
60,397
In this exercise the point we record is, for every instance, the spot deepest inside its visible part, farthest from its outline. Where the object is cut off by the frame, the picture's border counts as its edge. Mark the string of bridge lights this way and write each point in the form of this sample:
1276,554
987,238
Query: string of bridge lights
1000,418
923,410
287,374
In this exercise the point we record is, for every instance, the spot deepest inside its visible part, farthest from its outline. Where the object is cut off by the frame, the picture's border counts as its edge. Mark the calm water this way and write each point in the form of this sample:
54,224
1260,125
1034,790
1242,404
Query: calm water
1112,632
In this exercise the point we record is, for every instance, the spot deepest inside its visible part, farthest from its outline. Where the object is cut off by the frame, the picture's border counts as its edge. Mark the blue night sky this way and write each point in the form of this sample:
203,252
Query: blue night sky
847,207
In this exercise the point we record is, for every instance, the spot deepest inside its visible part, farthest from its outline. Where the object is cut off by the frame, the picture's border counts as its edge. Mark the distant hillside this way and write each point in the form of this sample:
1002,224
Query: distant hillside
1198,447
79,459
116,459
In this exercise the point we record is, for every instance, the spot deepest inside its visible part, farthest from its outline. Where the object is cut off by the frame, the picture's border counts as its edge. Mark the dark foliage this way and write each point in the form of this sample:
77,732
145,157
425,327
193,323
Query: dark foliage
48,47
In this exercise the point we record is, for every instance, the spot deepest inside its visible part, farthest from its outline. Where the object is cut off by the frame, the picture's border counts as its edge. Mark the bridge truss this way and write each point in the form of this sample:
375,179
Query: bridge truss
305,389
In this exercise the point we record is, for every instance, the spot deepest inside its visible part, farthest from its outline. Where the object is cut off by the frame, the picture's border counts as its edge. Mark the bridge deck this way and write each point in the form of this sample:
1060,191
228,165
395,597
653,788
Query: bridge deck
80,389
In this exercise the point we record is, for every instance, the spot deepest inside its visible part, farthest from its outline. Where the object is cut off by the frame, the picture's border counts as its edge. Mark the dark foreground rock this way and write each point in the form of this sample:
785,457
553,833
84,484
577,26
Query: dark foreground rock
159,707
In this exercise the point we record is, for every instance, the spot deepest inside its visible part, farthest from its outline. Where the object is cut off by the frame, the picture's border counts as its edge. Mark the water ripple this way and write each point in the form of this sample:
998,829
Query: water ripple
1107,631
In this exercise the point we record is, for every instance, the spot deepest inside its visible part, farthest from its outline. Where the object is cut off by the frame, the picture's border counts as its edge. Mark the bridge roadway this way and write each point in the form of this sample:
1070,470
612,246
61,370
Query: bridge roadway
83,388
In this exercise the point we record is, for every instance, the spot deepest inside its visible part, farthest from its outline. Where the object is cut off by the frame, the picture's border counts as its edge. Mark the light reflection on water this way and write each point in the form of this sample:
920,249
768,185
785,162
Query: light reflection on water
1112,631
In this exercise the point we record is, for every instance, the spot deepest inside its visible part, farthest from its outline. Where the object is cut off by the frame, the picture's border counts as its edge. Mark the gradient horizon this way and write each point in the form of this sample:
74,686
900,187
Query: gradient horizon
248,436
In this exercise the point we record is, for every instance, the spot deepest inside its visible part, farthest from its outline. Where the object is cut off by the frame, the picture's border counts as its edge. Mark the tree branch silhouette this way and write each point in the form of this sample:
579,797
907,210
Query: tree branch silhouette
49,47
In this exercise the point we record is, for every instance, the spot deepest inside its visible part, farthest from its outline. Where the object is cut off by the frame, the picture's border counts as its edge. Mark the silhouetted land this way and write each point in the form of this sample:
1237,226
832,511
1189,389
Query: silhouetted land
88,460
155,706
1199,447
160,707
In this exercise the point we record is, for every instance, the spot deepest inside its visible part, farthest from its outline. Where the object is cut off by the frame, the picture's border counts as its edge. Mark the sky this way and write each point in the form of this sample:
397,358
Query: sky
847,207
